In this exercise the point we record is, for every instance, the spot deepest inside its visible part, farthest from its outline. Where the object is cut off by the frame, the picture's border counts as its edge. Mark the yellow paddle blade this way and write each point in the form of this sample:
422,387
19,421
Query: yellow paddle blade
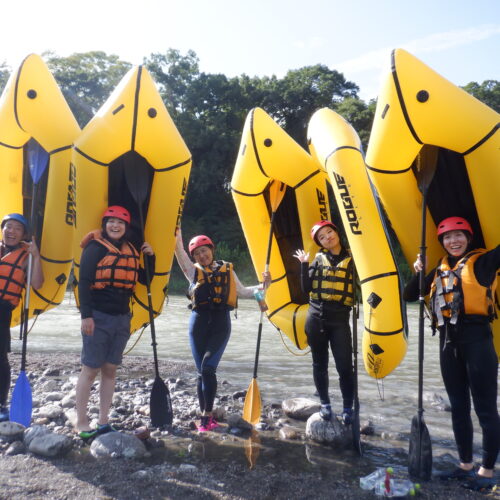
252,448
277,190
253,405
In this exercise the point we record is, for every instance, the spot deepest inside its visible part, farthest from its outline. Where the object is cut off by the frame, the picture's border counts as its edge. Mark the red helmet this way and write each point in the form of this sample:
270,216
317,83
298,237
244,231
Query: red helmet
454,224
319,225
200,241
118,212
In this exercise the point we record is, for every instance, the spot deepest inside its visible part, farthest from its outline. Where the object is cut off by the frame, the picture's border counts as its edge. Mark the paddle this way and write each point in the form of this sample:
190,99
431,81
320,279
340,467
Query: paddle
420,450
21,405
356,437
253,404
160,405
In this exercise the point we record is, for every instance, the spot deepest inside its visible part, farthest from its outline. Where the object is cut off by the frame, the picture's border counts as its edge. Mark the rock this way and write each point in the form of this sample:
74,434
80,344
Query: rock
219,414
437,401
235,421
328,432
49,386
71,416
117,445
68,401
367,428
16,448
239,394
11,431
300,408
51,372
187,468
50,411
142,433
50,445
54,396
288,432
33,432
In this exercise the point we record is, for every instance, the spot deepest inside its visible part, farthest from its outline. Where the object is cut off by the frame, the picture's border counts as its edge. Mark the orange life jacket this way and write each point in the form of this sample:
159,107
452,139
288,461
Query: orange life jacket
118,268
457,291
13,275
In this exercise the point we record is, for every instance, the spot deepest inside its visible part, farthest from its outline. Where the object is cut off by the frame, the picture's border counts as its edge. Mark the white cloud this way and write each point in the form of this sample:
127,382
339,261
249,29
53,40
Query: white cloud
377,59
314,42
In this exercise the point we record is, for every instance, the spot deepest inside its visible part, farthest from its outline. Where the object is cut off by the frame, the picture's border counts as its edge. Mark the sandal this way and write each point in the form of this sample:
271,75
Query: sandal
87,435
481,484
105,428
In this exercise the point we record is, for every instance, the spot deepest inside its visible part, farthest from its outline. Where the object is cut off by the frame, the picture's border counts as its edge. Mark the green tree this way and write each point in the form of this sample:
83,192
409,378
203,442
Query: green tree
359,115
86,79
4,75
487,92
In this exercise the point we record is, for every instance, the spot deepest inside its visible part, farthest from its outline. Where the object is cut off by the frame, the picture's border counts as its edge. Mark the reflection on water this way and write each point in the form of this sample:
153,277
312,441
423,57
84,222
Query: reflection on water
389,403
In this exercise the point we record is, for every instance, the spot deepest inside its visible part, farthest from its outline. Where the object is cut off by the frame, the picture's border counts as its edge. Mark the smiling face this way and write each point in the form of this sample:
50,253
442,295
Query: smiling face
329,239
115,228
455,242
12,233
203,255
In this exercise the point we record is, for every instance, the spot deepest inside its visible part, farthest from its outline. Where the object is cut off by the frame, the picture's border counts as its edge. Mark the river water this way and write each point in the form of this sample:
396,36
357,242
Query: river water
390,403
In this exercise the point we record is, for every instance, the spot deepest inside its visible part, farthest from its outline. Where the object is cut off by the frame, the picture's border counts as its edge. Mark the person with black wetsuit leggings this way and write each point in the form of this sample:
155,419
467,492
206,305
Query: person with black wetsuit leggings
463,304
329,282
214,288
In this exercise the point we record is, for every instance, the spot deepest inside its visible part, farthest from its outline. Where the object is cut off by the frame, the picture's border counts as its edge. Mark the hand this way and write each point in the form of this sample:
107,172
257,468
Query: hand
146,249
301,255
88,326
32,248
418,265
266,279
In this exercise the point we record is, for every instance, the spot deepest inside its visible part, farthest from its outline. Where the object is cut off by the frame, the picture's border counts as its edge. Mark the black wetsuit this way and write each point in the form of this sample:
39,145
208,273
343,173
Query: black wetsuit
469,366
327,325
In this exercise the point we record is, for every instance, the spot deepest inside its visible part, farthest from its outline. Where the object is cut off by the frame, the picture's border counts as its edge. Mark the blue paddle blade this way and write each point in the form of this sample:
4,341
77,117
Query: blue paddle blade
38,159
21,404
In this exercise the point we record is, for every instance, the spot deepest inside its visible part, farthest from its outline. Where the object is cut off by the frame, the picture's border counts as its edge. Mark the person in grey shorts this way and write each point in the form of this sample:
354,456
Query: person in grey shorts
109,271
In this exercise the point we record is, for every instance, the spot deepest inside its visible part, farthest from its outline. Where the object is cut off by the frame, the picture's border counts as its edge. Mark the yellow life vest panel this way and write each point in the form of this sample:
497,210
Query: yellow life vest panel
333,282
118,268
457,291
214,287
13,275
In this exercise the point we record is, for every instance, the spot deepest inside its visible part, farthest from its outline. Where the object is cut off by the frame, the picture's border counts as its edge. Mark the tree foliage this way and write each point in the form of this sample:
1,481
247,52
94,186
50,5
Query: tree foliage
487,92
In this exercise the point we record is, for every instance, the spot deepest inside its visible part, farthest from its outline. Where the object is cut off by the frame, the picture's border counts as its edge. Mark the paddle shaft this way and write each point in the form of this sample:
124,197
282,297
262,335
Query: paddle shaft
150,301
423,253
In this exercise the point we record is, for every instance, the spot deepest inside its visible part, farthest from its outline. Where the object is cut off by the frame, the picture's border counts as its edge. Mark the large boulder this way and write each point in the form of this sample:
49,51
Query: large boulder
300,408
330,432
117,445
11,431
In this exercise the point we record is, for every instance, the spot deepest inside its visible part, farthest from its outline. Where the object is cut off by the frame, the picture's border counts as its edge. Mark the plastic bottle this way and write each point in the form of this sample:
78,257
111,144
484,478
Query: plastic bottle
258,294
368,482
394,488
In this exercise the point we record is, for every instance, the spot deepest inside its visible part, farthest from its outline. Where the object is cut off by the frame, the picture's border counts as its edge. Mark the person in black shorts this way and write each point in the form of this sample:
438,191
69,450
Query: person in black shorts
109,271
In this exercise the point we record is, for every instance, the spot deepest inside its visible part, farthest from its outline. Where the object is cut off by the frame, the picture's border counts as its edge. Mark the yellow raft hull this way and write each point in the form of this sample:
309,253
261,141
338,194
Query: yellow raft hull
417,107
134,124
267,153
336,146
33,107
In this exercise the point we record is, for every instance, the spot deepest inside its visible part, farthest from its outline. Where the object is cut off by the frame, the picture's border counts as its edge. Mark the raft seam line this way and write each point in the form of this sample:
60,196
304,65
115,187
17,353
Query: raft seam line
90,158
377,276
254,143
401,99
306,179
483,140
136,106
177,165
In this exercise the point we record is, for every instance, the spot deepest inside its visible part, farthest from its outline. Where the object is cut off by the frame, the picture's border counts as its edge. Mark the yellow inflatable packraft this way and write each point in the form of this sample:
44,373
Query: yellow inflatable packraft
35,116
336,146
134,130
267,153
420,111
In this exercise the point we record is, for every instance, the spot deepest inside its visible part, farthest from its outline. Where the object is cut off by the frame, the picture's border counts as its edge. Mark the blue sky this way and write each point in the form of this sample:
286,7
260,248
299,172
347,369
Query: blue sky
459,39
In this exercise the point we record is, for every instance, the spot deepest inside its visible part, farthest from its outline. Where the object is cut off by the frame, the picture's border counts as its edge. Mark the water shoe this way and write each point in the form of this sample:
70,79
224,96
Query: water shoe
457,473
347,416
325,412
105,428
4,414
481,484
87,435
204,424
